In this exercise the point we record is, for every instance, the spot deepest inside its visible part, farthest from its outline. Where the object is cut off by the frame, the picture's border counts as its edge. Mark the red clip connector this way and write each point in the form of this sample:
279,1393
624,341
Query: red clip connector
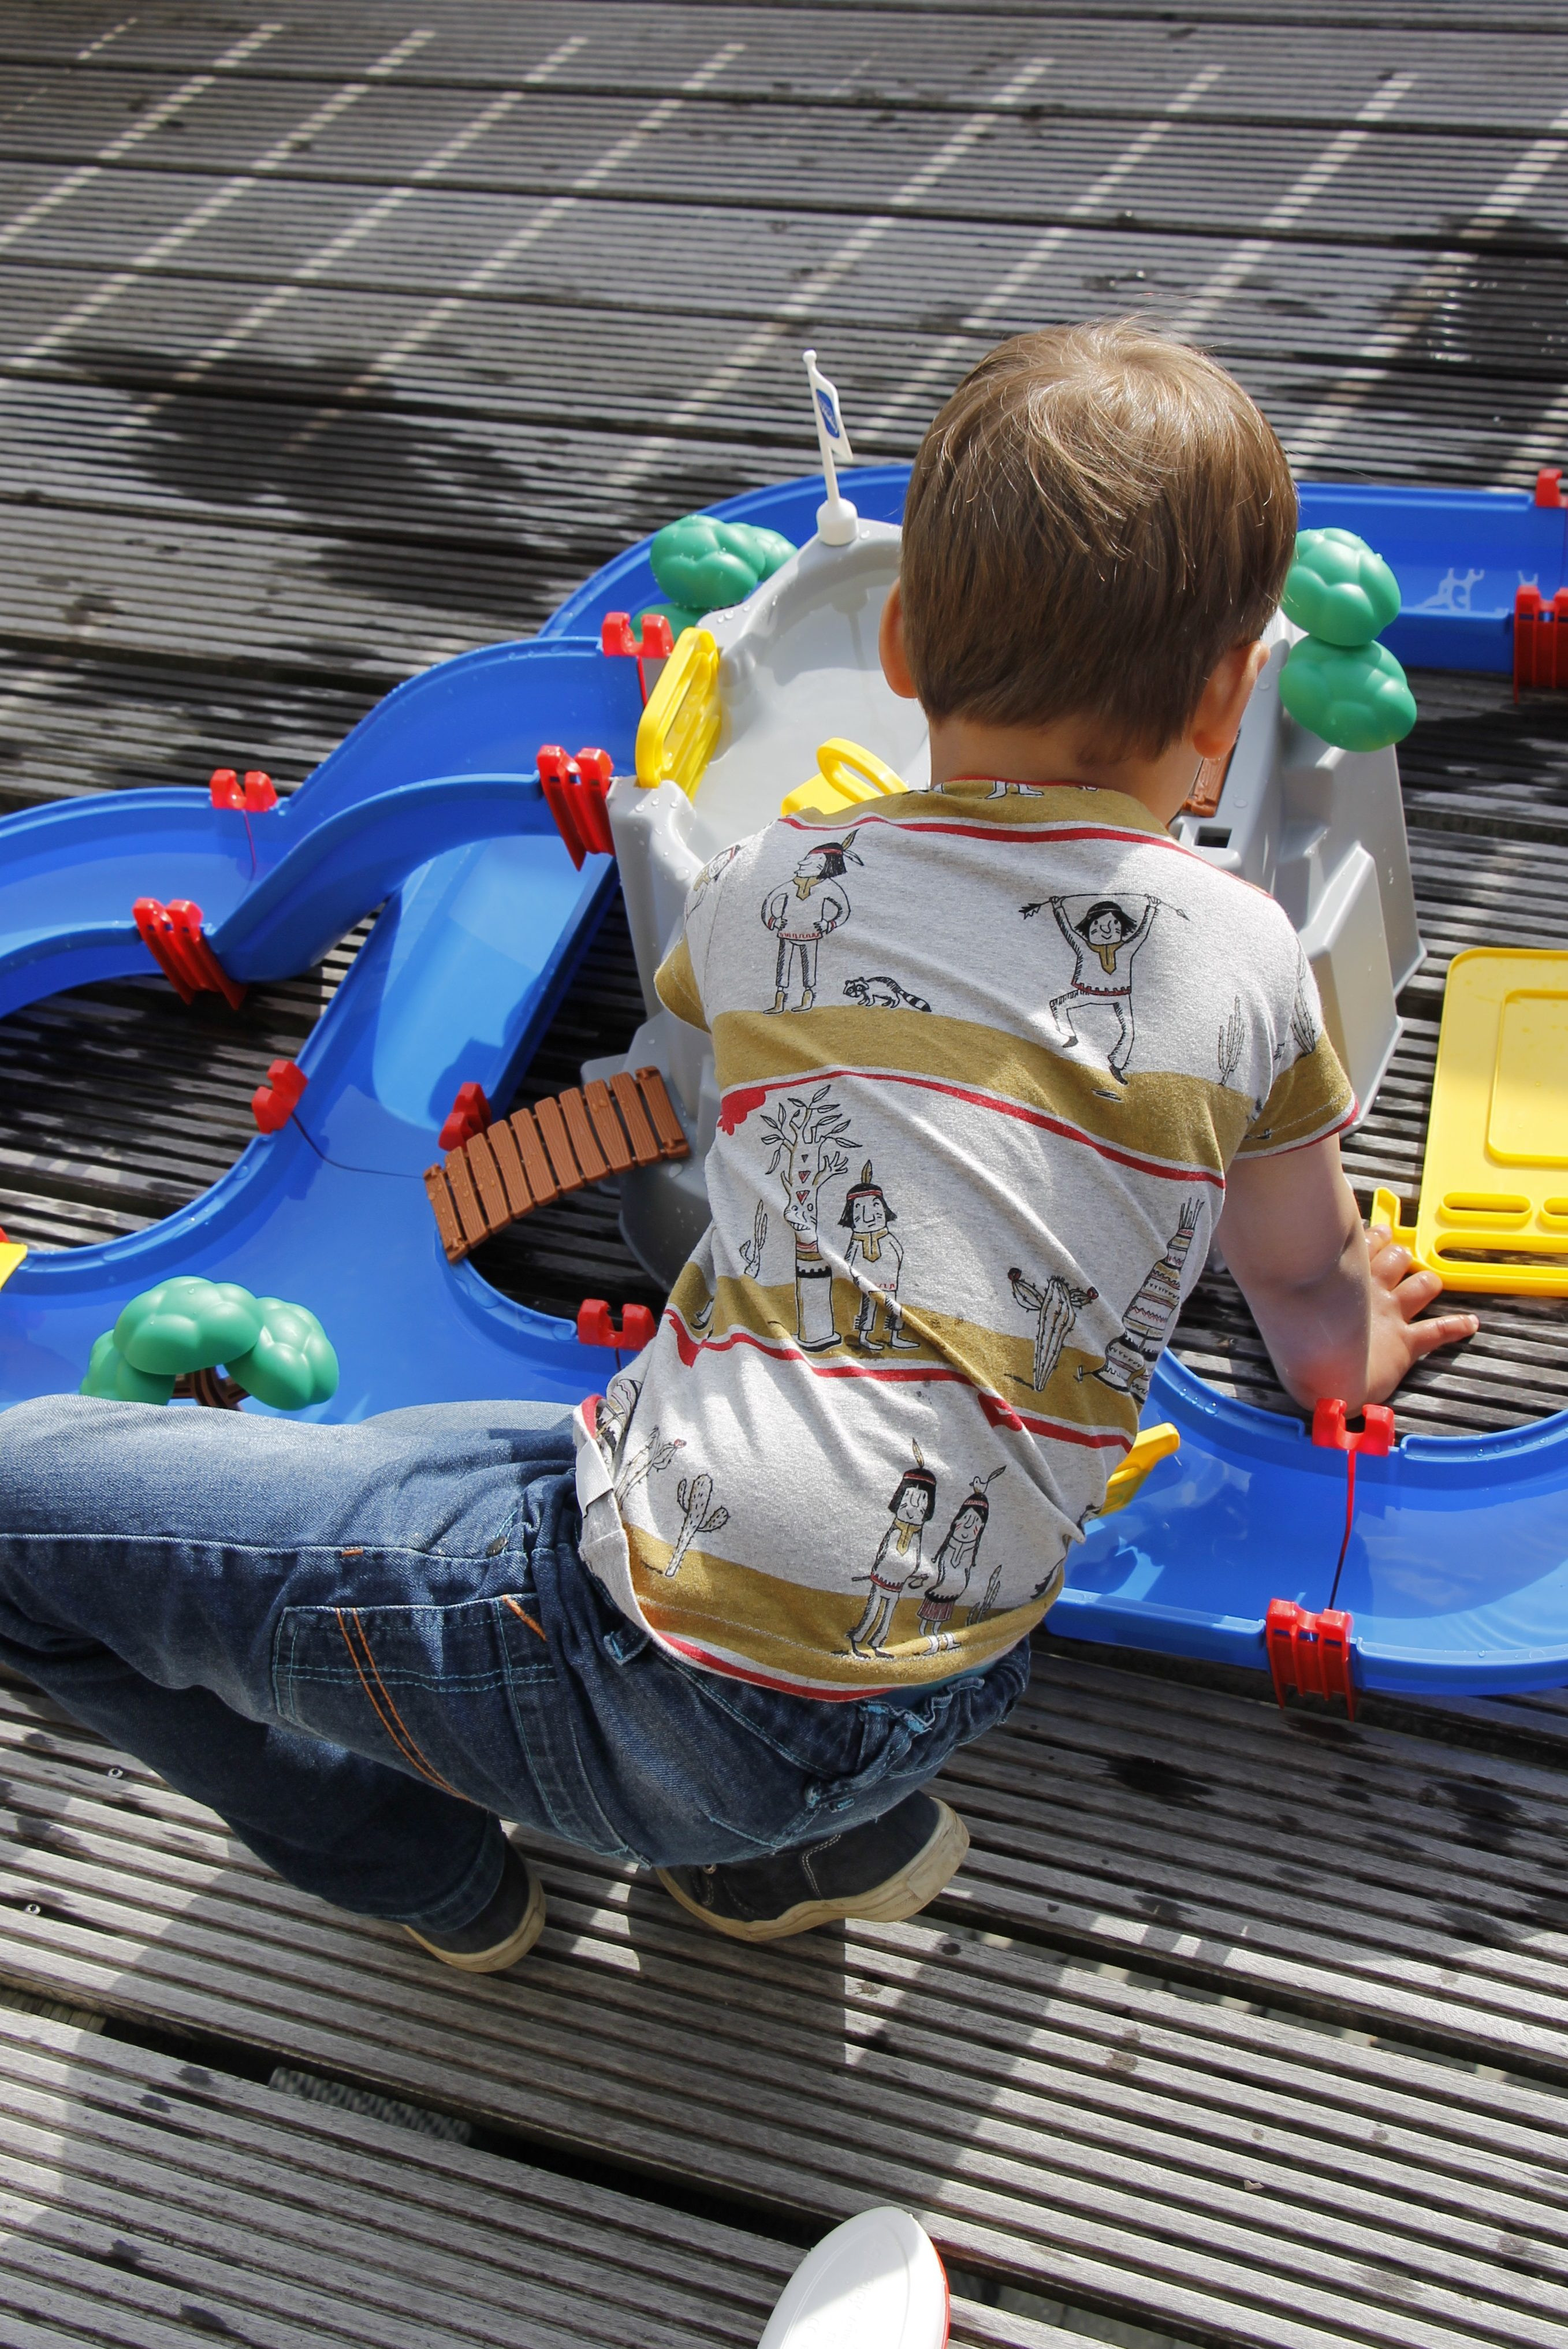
575,790
470,1114
595,1328
1308,1652
1328,1428
273,1103
1549,486
254,796
1539,639
173,937
658,641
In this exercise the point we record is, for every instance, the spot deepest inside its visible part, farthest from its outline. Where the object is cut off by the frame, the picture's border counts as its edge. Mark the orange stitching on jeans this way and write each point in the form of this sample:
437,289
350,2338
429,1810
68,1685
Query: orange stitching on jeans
417,1757
410,1750
524,1617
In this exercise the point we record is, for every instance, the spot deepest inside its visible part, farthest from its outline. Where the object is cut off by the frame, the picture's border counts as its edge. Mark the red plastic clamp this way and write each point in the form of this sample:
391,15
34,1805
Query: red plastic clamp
1375,1434
253,796
173,937
1539,639
470,1114
575,790
273,1103
1549,486
658,637
658,642
595,1327
1310,1652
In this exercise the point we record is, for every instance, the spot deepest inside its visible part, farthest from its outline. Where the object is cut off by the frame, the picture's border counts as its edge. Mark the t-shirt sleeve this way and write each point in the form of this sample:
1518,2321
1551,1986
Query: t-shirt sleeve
680,980
674,984
1311,1097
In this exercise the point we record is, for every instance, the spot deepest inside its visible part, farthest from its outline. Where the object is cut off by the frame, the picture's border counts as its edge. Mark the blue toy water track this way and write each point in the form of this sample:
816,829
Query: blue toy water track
1456,1569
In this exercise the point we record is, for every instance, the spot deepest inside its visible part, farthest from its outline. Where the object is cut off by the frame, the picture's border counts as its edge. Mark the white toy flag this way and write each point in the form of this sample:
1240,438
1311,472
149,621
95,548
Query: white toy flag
836,517
831,429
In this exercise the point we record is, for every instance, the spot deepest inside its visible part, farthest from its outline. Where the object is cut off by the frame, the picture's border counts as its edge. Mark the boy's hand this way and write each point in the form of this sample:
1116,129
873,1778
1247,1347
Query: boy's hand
1335,1304
1401,1289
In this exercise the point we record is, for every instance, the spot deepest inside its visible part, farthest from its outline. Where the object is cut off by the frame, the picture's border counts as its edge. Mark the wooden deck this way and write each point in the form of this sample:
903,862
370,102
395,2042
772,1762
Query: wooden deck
337,340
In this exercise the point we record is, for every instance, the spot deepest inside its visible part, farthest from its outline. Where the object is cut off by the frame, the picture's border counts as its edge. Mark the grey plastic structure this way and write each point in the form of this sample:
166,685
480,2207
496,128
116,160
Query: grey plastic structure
1323,829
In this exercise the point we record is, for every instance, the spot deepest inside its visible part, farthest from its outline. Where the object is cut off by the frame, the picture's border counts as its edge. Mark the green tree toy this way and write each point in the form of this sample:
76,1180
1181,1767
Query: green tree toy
1337,680
703,566
173,1339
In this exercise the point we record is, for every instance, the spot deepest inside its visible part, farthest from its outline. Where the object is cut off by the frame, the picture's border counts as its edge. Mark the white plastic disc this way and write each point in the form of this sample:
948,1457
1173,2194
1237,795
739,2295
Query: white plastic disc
875,2283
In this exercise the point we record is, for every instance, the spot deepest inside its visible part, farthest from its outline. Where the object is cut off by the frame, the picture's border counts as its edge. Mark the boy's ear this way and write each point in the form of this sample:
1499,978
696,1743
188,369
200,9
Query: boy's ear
890,645
1217,720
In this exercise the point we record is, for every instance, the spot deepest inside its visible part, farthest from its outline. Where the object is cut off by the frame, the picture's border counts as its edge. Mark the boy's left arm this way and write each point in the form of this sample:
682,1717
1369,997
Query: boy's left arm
1336,1305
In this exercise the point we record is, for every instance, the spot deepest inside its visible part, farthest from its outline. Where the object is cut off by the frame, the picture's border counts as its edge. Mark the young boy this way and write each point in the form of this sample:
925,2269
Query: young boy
730,1620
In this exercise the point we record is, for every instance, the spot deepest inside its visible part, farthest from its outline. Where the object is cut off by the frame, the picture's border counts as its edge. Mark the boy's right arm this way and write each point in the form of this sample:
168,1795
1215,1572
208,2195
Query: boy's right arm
1336,1305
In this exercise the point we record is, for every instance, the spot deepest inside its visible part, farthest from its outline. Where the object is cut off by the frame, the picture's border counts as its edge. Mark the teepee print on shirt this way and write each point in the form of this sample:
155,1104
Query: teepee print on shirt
1130,1357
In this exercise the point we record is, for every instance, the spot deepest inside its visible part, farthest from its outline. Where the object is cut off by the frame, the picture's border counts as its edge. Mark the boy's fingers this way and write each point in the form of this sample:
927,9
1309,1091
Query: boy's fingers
1390,1264
1442,1329
1415,1290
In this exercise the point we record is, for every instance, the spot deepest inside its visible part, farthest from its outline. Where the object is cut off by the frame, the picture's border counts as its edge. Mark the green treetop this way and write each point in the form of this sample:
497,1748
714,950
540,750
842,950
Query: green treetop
274,1350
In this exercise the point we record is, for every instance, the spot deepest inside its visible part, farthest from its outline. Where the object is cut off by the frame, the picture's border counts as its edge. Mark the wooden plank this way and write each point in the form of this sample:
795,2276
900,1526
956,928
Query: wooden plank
607,1126
470,1214
541,1183
586,1148
667,1125
557,1144
487,1181
325,2225
514,1180
1183,2163
635,1118
438,1192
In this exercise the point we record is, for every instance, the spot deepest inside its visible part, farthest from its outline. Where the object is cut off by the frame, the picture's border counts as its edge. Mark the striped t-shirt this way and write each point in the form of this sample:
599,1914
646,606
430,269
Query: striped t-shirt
984,1055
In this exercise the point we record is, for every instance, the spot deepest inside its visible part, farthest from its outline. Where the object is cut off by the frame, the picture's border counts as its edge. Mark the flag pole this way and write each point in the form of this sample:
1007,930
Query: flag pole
836,516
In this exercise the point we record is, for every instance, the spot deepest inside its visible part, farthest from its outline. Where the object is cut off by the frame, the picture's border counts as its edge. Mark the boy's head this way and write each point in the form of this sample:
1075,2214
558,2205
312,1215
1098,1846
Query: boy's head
1095,519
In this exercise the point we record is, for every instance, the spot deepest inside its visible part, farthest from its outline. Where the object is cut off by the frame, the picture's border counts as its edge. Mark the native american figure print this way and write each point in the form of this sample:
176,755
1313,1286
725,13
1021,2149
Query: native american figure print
1055,1305
954,1561
1002,791
808,907
896,1568
875,1255
1104,940
879,992
1130,1356
806,1132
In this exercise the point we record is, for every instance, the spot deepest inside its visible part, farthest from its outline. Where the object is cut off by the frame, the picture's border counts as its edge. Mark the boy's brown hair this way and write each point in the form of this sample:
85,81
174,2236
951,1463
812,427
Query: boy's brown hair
1097,515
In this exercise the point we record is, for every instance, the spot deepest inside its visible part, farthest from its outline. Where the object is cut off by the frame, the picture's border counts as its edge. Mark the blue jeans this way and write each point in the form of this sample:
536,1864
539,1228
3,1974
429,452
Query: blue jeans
366,1645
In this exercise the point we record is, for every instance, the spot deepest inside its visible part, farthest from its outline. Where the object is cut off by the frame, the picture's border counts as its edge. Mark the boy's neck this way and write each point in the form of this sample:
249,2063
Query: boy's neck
1062,753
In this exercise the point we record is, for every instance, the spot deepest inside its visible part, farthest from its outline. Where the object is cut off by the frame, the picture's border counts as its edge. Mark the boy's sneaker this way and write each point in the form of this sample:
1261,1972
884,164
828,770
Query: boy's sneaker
503,1932
882,1871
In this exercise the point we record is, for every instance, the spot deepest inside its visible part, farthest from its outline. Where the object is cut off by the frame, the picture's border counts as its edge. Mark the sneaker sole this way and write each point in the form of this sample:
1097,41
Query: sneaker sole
915,1888
501,1954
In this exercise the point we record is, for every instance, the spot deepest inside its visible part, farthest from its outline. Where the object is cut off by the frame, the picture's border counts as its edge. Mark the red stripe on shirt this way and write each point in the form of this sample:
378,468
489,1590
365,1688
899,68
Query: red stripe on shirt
754,1095
996,1408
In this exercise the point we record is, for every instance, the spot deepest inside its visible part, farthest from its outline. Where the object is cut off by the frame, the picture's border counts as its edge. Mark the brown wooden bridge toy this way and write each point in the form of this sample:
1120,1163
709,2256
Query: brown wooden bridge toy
562,1143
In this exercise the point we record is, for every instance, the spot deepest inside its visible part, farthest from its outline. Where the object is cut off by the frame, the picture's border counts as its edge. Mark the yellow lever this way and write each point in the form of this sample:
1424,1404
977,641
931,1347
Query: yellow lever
1153,1444
846,774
